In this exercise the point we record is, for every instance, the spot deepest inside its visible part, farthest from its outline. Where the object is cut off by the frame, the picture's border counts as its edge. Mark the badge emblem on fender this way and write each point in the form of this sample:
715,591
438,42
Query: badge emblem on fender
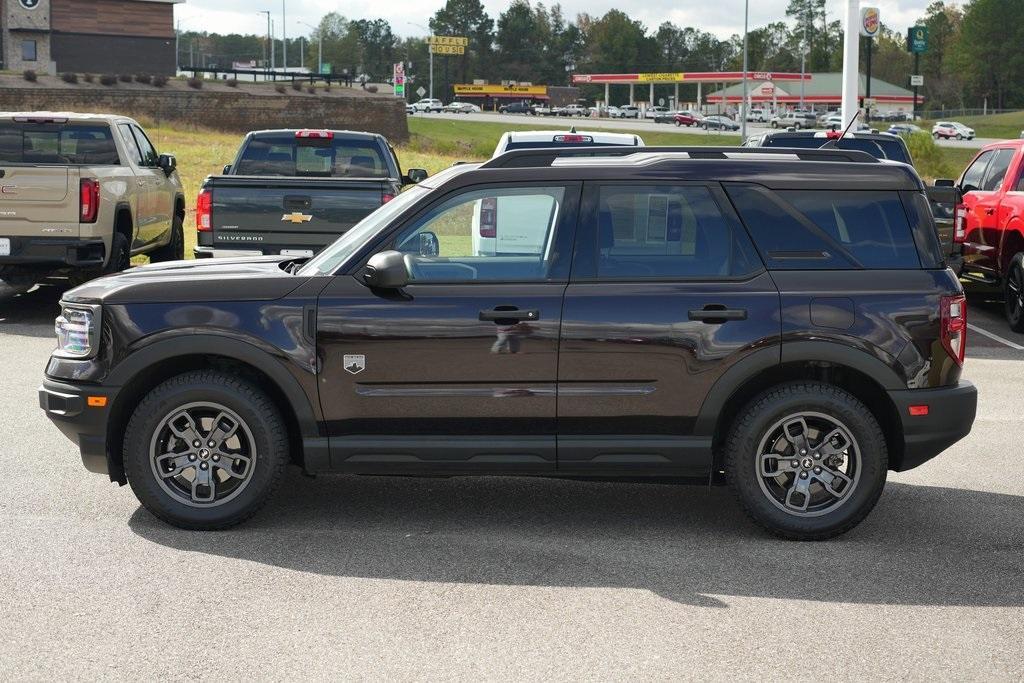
354,363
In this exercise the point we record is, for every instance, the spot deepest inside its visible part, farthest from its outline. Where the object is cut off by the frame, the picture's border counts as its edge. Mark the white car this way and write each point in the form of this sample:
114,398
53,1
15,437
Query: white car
492,235
655,112
461,108
759,115
629,111
952,129
428,105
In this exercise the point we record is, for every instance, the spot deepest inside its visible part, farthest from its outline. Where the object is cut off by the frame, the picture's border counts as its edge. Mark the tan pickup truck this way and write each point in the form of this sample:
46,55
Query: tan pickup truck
81,194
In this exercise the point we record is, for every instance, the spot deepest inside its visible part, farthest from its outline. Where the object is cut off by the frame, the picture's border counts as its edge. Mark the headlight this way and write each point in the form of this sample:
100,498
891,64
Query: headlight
78,330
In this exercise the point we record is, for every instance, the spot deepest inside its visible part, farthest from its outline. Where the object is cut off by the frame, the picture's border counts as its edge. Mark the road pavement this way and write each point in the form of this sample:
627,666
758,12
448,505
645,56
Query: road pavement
365,577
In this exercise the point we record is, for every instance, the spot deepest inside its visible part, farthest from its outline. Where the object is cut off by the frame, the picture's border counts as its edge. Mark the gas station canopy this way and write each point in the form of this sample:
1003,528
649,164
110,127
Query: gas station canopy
686,77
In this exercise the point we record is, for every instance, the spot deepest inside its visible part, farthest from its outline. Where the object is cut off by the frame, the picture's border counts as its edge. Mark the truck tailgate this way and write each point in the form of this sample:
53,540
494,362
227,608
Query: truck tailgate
274,213
37,200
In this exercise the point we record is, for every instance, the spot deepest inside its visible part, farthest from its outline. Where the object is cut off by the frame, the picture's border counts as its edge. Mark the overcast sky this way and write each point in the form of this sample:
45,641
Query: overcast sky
721,17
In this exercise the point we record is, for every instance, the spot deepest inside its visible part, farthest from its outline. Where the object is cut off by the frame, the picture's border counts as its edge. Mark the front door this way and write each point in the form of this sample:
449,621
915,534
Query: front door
666,294
457,370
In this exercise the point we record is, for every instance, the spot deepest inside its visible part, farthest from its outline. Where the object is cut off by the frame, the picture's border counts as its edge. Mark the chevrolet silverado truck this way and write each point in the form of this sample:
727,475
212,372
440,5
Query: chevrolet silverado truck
990,223
293,192
81,194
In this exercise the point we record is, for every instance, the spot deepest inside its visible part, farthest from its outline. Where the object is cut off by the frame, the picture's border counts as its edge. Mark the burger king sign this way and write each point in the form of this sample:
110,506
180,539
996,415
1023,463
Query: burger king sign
870,21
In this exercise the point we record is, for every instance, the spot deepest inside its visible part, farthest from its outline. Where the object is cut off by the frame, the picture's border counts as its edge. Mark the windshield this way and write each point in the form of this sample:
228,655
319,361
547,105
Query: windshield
328,260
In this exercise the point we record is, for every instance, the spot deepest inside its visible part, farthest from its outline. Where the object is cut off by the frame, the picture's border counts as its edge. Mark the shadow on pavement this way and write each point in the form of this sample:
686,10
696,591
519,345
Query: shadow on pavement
920,546
30,313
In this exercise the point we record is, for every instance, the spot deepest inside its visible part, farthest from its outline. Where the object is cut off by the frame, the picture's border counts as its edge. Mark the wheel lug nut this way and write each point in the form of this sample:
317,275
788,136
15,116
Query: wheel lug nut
803,451
794,463
803,475
203,466
817,470
192,457
210,443
216,458
197,443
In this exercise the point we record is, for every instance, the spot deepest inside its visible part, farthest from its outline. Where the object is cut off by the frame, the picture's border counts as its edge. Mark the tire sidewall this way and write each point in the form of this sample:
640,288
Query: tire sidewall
120,254
765,411
265,426
1016,265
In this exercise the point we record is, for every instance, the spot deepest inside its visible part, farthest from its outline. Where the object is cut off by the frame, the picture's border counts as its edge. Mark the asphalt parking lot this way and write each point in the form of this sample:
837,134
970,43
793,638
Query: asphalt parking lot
508,578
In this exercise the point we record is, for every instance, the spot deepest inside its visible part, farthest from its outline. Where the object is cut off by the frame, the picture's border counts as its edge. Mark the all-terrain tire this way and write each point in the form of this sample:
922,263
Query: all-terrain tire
173,250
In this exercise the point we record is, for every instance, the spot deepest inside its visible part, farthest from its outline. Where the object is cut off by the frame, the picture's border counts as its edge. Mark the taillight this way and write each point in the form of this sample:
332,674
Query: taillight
489,217
204,209
954,326
960,223
88,200
386,197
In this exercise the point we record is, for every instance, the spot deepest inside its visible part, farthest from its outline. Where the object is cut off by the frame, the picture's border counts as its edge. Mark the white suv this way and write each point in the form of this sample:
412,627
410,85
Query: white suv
428,105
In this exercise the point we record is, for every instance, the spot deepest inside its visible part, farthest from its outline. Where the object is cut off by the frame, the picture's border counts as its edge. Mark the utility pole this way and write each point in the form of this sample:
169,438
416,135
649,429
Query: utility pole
284,38
319,47
803,62
269,47
743,105
430,49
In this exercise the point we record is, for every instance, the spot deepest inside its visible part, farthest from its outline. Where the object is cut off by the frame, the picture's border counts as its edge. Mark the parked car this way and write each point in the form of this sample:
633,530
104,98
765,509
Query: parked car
410,108
428,105
545,109
292,192
629,111
950,129
573,110
558,139
82,194
461,108
990,223
687,118
794,119
904,129
716,122
759,115
655,112
797,336
612,112
516,108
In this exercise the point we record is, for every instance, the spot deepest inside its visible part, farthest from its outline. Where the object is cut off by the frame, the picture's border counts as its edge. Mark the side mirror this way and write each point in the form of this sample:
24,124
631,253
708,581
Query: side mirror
227,169
167,162
429,245
386,270
415,175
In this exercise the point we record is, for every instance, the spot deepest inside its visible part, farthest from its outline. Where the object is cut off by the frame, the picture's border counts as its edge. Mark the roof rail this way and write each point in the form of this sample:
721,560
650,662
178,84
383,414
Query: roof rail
546,156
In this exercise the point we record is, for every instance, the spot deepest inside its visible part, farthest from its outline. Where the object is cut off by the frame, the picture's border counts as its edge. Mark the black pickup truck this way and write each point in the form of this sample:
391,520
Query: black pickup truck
293,192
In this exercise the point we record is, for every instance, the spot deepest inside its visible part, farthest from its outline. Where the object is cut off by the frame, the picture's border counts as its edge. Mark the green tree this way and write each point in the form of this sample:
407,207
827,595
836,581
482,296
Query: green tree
518,43
990,52
464,18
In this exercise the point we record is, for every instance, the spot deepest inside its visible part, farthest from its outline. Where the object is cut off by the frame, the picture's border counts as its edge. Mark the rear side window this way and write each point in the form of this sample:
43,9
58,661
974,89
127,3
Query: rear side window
287,155
824,229
56,143
667,232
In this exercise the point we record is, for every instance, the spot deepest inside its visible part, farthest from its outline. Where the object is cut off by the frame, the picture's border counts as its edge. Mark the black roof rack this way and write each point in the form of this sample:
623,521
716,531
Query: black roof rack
545,156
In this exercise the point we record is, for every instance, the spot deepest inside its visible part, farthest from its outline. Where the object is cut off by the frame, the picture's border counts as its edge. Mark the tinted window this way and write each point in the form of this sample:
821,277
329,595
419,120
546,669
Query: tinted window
130,143
287,155
997,169
31,143
880,149
149,155
975,172
667,231
842,228
481,235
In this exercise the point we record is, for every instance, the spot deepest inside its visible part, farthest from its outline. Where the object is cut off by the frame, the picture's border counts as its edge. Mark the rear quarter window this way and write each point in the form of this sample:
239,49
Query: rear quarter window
826,229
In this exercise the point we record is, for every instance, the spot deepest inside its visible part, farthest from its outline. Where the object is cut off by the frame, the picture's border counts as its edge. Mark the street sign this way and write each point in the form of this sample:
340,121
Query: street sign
917,81
917,39
326,68
399,79
448,49
870,22
421,91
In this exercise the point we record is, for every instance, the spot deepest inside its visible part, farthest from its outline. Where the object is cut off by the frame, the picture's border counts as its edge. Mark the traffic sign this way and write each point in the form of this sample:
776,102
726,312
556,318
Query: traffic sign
917,81
421,91
917,39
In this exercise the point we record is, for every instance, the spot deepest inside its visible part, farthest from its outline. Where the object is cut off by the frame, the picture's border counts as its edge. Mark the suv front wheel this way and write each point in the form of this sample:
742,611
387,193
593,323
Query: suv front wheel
205,450
806,460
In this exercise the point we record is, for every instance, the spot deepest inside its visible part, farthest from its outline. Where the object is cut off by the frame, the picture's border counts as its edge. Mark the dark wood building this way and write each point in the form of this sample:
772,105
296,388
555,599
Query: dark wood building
95,36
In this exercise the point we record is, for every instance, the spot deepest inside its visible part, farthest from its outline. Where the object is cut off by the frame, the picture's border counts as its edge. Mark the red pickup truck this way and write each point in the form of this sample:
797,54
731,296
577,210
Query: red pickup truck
990,223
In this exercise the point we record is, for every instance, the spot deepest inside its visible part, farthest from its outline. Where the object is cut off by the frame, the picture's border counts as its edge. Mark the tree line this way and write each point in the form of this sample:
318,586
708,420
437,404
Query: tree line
974,49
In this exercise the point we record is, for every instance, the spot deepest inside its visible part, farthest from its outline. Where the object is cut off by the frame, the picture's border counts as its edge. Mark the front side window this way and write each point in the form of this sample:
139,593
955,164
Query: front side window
667,232
149,155
499,234
130,143
975,172
997,170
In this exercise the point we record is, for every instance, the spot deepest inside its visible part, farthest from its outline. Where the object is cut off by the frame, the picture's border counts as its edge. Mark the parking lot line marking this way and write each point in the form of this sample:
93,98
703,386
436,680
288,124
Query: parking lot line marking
990,335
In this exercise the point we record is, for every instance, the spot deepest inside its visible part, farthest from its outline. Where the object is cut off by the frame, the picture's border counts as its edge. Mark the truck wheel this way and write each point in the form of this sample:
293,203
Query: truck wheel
1013,294
806,460
120,254
205,450
173,250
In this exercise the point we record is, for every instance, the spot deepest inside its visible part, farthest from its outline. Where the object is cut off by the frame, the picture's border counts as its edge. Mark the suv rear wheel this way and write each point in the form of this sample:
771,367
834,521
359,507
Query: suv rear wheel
807,460
205,450
1013,294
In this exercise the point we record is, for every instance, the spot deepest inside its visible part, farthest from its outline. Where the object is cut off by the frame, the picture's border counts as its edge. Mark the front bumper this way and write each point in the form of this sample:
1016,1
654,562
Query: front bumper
951,412
68,406
43,251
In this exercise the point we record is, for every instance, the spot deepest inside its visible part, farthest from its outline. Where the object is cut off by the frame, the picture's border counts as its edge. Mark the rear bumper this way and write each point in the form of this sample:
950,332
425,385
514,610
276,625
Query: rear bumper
951,412
37,251
68,408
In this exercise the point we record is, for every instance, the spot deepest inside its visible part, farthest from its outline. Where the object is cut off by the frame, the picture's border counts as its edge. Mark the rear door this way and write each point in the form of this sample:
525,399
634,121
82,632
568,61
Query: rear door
145,192
667,293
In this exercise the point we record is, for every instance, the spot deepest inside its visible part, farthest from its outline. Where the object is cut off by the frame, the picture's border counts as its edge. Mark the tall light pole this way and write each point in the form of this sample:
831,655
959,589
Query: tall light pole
430,49
803,63
270,40
319,47
851,59
743,105
284,38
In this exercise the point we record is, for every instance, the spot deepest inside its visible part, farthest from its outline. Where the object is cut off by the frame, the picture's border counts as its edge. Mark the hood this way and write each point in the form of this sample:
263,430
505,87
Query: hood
254,278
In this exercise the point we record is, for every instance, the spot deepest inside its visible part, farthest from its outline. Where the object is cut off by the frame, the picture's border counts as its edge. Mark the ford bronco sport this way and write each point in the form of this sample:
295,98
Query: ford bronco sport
82,194
780,319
